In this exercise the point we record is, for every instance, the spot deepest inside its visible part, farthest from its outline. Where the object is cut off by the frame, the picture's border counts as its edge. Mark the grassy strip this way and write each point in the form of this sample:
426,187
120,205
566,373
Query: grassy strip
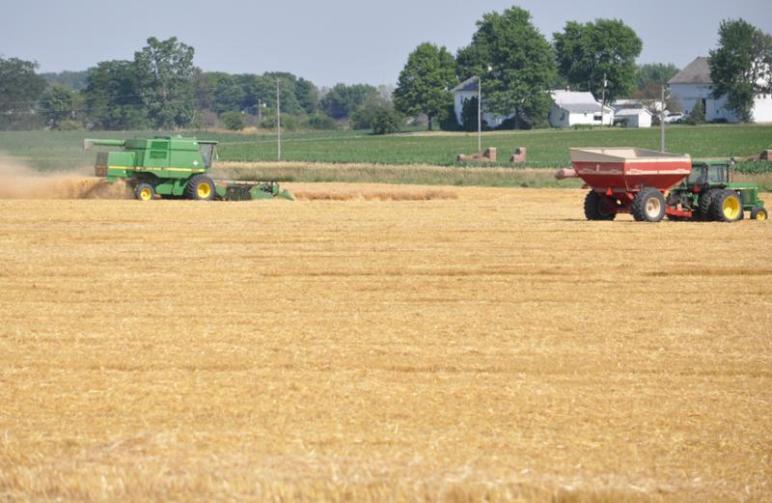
547,148
409,174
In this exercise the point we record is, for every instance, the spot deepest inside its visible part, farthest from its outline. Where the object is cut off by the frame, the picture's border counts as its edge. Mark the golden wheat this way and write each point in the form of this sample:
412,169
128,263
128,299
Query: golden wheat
490,347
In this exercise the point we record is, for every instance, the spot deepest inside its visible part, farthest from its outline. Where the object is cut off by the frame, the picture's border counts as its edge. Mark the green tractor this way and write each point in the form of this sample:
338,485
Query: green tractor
174,167
708,194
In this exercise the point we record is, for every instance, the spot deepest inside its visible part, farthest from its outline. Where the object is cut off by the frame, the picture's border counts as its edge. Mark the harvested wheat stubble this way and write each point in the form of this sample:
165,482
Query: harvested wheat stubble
367,192
488,348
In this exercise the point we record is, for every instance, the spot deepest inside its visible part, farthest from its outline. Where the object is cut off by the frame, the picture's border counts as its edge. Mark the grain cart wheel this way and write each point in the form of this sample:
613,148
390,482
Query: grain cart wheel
144,192
726,207
706,201
201,188
596,207
648,205
759,214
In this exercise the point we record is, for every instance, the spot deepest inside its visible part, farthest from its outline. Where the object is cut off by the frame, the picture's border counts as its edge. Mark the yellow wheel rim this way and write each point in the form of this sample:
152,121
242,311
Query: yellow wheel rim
731,208
146,194
203,190
761,215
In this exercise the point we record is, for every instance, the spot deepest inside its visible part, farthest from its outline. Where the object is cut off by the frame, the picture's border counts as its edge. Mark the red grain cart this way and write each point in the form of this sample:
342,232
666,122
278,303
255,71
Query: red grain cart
628,180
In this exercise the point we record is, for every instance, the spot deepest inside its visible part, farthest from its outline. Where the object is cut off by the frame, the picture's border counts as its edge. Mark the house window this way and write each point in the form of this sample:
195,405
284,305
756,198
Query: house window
597,117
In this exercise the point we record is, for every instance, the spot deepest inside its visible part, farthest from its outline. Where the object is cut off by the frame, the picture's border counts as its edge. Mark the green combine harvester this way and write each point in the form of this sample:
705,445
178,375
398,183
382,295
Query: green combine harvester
174,167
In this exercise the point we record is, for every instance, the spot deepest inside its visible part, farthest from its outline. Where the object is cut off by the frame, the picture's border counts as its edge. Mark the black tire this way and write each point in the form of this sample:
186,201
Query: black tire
648,205
705,203
759,214
143,191
200,188
727,206
595,207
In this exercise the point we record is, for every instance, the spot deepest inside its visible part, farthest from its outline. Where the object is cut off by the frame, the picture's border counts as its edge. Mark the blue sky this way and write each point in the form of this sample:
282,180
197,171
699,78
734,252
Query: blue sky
338,40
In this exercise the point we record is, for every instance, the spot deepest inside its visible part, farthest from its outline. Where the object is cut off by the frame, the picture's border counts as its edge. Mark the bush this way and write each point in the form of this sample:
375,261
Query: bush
69,125
386,121
233,121
288,122
448,121
697,115
321,121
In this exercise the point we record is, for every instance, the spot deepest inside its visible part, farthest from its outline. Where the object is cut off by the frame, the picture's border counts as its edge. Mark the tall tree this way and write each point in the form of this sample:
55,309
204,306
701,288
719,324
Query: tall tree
650,78
20,89
165,70
425,82
307,95
341,101
58,104
588,52
112,97
741,66
516,65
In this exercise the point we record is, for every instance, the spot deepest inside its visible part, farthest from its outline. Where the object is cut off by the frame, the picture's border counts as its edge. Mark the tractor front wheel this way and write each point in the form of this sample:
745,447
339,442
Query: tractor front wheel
144,191
596,207
648,205
200,188
759,214
727,207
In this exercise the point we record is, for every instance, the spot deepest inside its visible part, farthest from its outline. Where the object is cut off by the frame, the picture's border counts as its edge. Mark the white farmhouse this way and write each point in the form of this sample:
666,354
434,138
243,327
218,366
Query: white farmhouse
633,117
693,84
571,108
468,90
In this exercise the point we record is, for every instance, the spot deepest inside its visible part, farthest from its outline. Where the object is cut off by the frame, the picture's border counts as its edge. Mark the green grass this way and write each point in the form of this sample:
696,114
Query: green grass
546,148
48,150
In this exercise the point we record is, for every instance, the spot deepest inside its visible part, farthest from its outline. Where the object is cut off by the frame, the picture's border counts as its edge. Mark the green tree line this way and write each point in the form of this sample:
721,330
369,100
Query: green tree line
161,88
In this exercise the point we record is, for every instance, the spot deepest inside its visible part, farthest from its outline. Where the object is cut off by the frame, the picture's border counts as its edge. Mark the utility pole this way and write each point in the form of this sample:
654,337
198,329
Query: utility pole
662,122
479,114
278,120
603,101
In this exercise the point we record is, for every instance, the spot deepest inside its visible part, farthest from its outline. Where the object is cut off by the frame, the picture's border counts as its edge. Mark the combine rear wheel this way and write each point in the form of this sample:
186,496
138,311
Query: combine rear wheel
201,188
648,205
727,207
596,207
759,214
144,192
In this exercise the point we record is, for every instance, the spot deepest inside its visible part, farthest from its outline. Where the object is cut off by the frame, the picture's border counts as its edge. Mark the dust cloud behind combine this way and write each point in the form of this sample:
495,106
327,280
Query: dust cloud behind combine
19,181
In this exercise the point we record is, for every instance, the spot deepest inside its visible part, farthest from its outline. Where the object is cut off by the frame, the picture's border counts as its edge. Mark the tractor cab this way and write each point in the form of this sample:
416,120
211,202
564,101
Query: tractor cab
708,174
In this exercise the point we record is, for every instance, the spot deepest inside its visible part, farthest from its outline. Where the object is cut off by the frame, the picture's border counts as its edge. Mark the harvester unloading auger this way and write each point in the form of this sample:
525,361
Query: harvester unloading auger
174,167
651,185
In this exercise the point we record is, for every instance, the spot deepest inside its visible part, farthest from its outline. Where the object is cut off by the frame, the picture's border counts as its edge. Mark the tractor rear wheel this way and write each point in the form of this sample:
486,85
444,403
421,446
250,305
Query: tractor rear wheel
144,191
759,214
200,188
705,203
648,205
727,207
596,207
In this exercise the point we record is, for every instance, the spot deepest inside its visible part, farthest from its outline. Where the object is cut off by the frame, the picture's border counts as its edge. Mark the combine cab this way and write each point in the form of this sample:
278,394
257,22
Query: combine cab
174,167
650,185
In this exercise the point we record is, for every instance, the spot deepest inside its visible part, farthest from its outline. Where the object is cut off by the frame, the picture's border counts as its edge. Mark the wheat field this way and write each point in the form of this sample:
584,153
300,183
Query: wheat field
481,345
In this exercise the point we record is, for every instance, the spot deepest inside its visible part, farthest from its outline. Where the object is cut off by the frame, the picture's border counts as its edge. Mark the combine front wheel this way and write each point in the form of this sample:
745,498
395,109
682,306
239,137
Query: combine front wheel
144,191
727,207
596,207
201,188
648,205
759,214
